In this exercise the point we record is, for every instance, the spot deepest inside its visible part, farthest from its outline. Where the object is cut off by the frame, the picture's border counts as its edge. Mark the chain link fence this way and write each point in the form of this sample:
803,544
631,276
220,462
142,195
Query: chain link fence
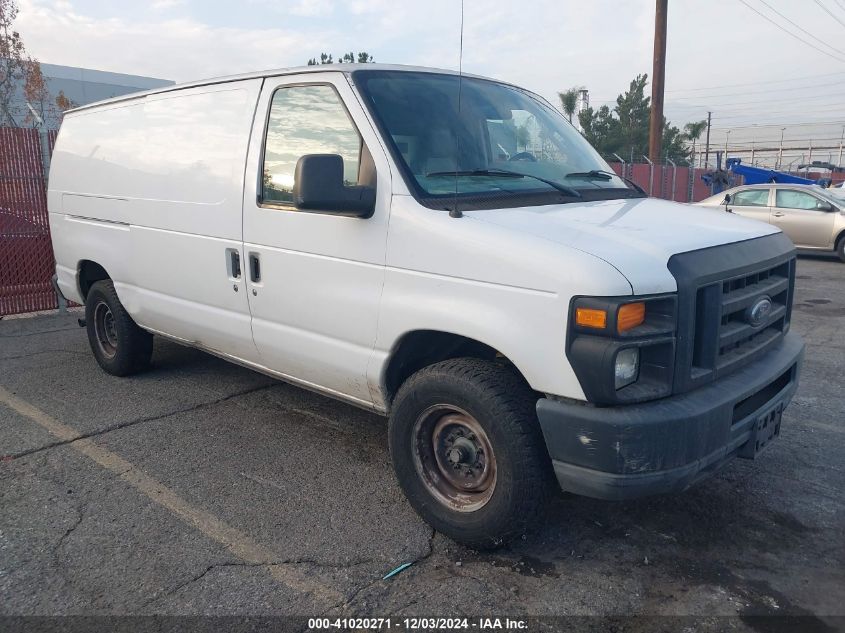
26,253
680,183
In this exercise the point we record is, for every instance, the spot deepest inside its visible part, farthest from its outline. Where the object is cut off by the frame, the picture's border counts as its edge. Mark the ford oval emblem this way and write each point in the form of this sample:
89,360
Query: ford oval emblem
759,311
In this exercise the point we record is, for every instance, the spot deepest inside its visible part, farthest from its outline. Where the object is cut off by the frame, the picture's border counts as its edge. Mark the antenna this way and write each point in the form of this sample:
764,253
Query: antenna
454,212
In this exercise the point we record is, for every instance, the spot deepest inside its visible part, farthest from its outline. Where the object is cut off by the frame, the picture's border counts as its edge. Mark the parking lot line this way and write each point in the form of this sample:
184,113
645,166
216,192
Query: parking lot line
238,543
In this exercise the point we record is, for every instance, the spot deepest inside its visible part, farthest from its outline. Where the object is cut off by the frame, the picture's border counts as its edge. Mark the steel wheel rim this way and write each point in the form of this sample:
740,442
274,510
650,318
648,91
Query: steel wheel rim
105,330
454,458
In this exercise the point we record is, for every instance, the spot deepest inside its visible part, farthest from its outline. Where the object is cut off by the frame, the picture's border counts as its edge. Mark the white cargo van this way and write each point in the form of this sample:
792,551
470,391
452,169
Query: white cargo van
447,251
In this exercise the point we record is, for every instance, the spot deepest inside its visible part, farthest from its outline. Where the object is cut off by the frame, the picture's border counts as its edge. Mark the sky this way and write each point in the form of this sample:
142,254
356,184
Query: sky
723,56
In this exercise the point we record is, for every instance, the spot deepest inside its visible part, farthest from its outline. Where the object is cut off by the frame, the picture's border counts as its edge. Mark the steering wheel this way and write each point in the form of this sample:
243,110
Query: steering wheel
524,156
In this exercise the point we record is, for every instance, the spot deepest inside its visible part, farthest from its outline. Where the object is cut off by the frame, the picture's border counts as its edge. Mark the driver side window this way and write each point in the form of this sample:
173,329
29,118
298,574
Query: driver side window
306,120
787,199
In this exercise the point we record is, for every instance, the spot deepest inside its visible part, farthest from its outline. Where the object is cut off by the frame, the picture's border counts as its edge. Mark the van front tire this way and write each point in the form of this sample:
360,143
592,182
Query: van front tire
468,451
119,345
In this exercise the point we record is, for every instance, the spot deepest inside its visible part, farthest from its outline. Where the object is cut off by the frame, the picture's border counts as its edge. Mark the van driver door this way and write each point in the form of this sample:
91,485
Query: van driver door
314,278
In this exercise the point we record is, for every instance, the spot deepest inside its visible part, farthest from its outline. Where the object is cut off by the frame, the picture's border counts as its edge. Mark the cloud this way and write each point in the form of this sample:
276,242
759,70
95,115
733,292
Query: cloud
165,5
180,48
544,45
313,8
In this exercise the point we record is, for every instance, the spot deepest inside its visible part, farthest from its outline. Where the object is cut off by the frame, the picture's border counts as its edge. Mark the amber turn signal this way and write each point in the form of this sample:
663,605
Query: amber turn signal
630,316
588,317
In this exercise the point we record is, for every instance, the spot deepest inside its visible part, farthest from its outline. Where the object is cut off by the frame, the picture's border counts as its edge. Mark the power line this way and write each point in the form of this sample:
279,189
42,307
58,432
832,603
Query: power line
828,11
801,29
768,116
784,124
755,83
787,31
758,92
753,92
796,109
834,95
763,115
737,94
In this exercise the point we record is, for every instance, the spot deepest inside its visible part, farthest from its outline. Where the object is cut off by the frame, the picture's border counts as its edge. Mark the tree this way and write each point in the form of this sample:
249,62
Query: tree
693,131
346,58
633,109
569,100
36,94
63,103
21,79
623,130
673,143
14,61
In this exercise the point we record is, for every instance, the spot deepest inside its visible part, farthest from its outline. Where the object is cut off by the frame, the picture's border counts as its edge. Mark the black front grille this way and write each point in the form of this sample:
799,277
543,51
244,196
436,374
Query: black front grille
735,340
716,289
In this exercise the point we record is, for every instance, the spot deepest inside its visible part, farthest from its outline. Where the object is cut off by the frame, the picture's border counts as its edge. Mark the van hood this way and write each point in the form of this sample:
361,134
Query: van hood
636,236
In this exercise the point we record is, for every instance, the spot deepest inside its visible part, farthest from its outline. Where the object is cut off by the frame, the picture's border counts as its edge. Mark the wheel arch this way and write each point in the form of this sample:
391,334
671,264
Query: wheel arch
419,348
89,272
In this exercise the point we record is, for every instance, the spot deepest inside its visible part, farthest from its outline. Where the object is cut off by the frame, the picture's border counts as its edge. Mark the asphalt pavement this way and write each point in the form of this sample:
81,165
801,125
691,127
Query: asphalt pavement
201,488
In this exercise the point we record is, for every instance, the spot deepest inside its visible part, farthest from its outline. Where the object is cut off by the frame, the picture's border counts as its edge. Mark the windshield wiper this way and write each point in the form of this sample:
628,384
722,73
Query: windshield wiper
513,174
594,174
601,174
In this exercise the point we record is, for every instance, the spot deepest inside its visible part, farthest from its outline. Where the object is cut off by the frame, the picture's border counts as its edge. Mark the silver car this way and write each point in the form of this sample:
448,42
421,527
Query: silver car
812,217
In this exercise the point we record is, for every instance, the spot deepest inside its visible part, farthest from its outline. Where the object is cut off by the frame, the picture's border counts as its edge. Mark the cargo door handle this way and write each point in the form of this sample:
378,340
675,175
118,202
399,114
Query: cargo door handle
233,263
254,268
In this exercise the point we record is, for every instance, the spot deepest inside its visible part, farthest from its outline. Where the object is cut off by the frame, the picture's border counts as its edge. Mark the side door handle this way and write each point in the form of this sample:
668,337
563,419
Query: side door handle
234,263
254,268
778,214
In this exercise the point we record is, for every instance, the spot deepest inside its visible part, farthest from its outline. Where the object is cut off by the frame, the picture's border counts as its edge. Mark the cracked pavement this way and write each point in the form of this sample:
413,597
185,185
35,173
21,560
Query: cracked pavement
204,488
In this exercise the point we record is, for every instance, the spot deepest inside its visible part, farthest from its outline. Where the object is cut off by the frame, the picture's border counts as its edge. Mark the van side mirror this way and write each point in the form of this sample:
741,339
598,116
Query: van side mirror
318,186
821,205
727,199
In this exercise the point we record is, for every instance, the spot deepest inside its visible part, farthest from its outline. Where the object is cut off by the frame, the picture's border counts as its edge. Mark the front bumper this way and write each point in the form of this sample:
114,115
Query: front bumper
669,444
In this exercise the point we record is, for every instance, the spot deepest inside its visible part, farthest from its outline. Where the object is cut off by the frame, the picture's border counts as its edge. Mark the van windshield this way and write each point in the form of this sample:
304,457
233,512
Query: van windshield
501,147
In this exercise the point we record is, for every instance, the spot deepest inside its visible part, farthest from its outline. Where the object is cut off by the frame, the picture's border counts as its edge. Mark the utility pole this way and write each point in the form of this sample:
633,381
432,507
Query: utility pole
658,81
841,140
727,136
780,151
707,142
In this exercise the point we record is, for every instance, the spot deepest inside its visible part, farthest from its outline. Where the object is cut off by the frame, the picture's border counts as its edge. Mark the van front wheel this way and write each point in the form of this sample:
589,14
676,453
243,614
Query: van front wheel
468,451
119,345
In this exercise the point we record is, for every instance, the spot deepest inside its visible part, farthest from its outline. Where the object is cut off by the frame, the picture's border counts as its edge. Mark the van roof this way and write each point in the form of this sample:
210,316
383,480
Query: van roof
343,68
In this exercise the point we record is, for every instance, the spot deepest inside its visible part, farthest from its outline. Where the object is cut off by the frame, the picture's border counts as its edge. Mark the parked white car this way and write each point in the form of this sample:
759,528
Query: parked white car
520,312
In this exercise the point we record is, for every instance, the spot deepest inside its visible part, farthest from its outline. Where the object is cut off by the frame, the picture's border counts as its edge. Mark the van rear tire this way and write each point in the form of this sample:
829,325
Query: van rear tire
840,248
468,451
119,345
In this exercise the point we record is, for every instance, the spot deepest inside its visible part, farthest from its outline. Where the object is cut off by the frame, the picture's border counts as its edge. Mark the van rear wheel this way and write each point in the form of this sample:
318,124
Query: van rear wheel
119,345
468,452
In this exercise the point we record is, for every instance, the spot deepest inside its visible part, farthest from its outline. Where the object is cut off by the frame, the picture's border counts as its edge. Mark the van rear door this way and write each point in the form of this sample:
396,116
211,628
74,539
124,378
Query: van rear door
314,277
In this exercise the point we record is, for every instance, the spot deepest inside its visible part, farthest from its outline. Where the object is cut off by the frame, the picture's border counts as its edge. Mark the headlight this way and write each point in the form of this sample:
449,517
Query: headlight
622,349
627,366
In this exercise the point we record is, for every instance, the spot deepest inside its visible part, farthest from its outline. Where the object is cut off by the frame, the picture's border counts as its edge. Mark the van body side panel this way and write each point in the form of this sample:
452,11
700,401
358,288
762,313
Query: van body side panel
507,290
169,169
316,307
